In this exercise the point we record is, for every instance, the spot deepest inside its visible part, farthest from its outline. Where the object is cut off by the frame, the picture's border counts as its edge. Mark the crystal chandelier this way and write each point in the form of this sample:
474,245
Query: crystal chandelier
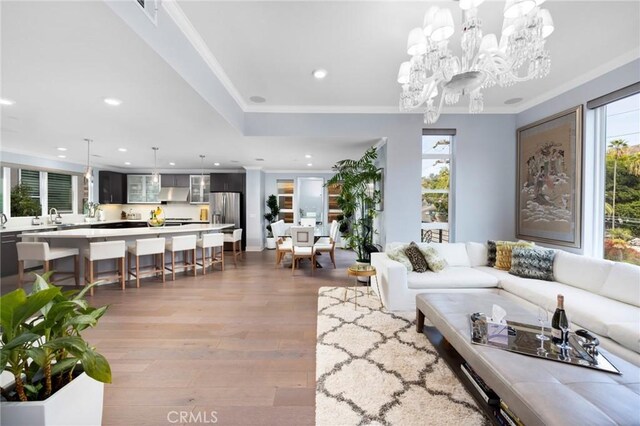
435,76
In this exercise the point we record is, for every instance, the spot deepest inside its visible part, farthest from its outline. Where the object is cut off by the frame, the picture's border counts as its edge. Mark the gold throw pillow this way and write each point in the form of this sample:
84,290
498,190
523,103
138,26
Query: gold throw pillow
503,252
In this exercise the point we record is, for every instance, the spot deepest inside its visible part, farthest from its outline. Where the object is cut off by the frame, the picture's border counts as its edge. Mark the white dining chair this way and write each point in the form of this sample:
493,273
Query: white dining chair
328,244
105,250
235,238
41,252
147,247
308,221
211,242
302,240
187,245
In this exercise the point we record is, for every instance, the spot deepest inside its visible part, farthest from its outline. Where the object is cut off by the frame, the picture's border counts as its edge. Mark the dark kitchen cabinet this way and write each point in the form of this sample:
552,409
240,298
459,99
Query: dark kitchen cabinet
227,182
175,181
112,187
9,253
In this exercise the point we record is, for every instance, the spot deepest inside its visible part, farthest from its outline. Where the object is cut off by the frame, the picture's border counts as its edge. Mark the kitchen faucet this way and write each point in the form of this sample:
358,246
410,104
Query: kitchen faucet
3,220
58,218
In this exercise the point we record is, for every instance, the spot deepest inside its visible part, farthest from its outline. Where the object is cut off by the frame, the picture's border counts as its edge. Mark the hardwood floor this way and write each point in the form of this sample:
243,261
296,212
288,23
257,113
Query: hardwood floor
240,343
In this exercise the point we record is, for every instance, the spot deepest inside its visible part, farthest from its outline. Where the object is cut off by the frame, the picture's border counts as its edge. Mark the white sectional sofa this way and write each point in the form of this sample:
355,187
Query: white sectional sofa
600,296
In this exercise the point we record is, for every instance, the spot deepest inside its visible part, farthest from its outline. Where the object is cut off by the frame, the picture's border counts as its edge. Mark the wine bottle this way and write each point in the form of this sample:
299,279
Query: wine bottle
558,321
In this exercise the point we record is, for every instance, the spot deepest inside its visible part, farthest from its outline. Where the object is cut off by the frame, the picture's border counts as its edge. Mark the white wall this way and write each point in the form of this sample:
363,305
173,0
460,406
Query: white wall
612,81
254,199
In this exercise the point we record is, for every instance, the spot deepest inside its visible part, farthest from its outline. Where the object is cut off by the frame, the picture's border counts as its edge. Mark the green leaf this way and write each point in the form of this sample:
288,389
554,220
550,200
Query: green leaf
96,366
10,302
38,355
21,340
63,365
73,344
4,358
80,320
33,304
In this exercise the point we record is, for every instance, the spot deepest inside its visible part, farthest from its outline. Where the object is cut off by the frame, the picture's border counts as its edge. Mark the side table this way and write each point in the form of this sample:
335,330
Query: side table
361,270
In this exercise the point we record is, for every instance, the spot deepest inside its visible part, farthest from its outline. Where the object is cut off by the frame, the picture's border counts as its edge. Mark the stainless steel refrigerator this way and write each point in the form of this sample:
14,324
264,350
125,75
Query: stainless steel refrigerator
225,207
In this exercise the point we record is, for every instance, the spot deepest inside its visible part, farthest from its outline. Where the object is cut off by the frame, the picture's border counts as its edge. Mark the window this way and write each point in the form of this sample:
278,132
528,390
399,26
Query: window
31,178
622,179
60,192
436,184
285,199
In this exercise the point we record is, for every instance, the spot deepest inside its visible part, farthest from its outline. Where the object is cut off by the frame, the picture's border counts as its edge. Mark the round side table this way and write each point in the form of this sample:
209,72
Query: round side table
361,270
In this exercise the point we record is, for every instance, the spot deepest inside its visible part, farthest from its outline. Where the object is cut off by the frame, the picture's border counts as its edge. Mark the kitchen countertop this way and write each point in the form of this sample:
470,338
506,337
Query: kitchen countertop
23,228
87,233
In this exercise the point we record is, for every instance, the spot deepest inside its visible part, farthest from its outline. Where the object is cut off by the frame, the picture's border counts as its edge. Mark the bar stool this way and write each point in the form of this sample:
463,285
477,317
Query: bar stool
145,247
211,242
235,239
103,251
41,252
184,244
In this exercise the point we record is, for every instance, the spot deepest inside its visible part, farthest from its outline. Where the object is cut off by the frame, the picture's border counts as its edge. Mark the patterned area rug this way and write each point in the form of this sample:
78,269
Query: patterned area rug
372,368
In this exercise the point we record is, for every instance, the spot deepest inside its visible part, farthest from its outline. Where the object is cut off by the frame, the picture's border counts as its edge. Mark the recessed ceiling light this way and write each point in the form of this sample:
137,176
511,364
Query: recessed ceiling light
62,148
216,164
122,149
307,156
112,101
127,163
320,73
234,161
513,101
62,156
172,163
309,164
7,102
257,99
259,159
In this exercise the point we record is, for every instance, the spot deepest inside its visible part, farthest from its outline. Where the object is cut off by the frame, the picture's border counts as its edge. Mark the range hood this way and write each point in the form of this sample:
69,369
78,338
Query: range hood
175,195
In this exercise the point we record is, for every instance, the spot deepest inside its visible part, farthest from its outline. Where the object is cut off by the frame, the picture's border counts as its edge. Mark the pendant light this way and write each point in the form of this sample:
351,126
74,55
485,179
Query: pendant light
88,173
155,175
201,171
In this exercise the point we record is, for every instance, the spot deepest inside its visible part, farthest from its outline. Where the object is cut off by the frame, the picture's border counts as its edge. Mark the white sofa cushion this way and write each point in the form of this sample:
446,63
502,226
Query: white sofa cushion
478,254
455,254
451,277
588,310
581,271
626,333
623,284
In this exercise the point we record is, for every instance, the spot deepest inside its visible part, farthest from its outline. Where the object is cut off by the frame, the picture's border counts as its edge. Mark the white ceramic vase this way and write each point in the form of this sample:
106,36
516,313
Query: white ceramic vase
79,403
271,243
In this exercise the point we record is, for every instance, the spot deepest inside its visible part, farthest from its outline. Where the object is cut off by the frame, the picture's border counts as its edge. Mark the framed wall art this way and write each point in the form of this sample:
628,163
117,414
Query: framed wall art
549,179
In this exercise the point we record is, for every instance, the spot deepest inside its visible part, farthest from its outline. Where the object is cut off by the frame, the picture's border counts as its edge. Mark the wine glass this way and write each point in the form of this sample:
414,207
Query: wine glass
564,328
543,317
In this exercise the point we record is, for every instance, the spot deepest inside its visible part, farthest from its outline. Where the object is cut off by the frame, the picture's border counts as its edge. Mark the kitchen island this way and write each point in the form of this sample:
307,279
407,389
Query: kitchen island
80,238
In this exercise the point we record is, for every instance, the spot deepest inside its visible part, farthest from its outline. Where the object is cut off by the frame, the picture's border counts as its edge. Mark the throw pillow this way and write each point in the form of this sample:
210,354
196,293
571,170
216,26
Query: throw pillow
436,263
532,262
503,253
418,262
491,255
397,253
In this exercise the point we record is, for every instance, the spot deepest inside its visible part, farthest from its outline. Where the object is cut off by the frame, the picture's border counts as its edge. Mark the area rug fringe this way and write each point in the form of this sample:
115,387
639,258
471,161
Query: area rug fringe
372,368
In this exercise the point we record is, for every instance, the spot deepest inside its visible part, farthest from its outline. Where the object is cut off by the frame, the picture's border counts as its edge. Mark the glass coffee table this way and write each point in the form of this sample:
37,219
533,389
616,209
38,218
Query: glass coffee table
361,270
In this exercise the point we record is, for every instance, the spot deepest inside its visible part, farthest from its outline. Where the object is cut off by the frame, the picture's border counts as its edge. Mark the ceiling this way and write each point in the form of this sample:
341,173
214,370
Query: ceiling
61,59
270,49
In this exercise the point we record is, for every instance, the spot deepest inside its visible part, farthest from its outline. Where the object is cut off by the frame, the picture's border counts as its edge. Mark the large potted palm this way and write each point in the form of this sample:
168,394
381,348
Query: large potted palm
58,378
270,217
358,198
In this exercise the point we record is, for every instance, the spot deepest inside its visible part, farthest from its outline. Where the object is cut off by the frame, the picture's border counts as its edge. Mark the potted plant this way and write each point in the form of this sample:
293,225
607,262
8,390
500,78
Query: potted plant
58,377
22,203
270,217
358,198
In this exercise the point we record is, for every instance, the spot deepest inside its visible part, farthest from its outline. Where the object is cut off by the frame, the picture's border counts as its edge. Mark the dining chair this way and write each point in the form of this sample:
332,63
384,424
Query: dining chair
302,240
308,221
328,244
283,244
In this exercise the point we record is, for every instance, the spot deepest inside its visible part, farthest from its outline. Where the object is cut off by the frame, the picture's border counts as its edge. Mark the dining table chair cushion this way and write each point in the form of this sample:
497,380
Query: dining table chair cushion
42,251
303,250
105,250
236,235
182,242
308,221
211,240
285,245
146,246
322,246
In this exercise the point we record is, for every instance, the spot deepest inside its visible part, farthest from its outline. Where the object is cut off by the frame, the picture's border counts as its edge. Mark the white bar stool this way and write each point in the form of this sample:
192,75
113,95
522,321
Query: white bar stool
184,244
104,251
211,242
41,252
236,240
145,247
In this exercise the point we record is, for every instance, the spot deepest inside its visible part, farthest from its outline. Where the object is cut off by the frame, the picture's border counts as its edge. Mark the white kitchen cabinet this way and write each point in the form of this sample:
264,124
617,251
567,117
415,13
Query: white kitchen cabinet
141,189
199,193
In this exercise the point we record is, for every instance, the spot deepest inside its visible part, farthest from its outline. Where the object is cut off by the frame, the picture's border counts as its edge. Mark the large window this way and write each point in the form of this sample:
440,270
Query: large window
436,183
622,180
31,178
60,192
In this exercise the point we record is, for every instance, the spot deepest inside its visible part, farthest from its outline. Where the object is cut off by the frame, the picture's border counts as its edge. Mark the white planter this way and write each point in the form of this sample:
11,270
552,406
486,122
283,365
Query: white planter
363,280
271,243
79,403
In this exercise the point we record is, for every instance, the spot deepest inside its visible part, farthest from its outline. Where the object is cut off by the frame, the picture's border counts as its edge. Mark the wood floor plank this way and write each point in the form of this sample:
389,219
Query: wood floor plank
240,342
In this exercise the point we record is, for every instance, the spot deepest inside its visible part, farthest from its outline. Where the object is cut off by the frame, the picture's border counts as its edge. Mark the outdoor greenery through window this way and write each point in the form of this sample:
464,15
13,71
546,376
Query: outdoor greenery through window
622,183
31,178
436,173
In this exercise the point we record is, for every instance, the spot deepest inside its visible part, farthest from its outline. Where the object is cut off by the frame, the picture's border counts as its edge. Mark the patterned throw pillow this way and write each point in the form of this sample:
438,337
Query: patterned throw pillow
397,254
503,253
533,262
436,263
418,262
491,253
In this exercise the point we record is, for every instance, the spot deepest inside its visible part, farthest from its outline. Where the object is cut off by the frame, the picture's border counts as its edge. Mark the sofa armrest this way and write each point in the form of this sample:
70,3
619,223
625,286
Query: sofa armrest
392,279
